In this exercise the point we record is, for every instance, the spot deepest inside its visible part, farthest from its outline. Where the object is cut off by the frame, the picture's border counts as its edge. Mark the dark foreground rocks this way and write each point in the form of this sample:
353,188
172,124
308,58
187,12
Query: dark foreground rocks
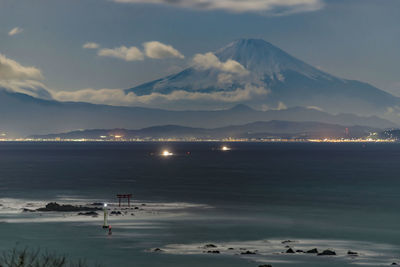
265,265
54,206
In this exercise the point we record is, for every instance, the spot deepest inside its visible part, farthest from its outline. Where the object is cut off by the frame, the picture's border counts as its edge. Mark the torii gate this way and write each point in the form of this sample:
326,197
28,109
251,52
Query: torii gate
128,196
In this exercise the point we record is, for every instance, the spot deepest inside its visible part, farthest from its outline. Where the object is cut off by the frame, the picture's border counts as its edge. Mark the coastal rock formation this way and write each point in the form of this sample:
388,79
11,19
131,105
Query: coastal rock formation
54,206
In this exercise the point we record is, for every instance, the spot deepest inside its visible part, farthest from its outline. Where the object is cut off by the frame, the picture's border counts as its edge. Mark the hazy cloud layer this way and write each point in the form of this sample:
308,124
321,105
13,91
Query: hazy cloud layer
91,45
159,50
12,70
126,53
15,31
209,61
272,6
119,97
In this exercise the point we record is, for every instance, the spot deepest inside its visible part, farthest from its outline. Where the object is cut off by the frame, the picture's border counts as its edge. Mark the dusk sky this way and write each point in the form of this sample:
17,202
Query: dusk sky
72,43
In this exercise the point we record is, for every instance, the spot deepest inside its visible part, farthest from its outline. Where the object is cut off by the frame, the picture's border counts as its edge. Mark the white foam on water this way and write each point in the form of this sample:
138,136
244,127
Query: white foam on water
12,211
273,250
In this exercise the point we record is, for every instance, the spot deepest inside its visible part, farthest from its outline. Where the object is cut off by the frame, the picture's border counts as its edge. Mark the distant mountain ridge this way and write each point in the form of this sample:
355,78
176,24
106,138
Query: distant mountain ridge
261,129
24,115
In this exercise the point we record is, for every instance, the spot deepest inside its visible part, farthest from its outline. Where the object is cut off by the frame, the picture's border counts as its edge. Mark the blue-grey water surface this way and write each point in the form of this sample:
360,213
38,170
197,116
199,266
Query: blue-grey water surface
257,191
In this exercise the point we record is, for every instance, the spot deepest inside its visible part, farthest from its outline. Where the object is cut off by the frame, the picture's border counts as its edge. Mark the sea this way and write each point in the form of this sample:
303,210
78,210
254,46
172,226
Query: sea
199,205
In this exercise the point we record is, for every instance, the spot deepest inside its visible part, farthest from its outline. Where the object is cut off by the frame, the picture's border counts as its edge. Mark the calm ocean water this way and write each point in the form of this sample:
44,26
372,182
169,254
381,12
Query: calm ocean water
338,196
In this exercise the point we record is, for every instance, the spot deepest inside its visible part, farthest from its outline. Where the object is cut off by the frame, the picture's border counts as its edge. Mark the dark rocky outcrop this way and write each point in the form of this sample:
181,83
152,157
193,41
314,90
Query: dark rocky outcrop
327,252
299,251
213,251
352,253
210,246
290,250
54,206
312,251
265,265
157,250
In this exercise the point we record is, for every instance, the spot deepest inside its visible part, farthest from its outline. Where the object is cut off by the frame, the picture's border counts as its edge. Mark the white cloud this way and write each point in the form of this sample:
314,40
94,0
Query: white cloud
91,45
315,108
12,70
159,50
27,87
126,53
210,61
281,106
282,7
15,31
119,97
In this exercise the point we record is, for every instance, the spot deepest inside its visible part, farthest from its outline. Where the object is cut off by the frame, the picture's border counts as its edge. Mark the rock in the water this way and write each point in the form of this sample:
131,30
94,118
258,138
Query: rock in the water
248,252
327,252
28,210
312,251
116,212
89,213
213,251
394,263
287,241
300,251
290,250
210,246
352,253
265,265
157,250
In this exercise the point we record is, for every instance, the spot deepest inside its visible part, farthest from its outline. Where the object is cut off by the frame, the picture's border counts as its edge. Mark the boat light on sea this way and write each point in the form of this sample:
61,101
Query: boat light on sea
225,148
166,153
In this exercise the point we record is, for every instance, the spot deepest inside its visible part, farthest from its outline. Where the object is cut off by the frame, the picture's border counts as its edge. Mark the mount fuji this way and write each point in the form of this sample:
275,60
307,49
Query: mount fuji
287,81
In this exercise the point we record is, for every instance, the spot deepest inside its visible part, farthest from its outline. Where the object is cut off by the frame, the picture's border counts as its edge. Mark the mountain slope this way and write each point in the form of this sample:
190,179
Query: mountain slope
289,81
